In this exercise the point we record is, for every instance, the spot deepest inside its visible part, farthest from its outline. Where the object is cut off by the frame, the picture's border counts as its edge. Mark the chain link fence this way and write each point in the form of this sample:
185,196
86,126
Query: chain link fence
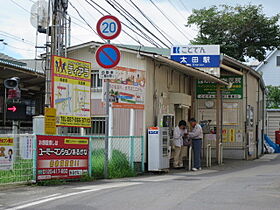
18,157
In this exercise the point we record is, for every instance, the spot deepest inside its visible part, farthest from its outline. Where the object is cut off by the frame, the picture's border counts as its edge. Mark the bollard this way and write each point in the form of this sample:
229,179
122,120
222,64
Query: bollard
208,155
190,158
220,158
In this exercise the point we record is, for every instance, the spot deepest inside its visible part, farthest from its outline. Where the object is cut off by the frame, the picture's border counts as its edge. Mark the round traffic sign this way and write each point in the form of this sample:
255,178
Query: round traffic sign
108,27
107,56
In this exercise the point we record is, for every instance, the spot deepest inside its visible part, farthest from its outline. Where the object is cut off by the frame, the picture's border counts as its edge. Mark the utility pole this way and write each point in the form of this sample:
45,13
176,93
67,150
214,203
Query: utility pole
57,46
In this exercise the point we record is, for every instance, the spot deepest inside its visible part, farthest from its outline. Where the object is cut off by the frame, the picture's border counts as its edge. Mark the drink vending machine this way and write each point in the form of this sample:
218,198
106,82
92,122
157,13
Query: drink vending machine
158,148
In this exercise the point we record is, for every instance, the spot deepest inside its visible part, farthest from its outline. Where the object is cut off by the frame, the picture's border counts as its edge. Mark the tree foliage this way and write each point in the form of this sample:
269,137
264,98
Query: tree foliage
241,30
273,97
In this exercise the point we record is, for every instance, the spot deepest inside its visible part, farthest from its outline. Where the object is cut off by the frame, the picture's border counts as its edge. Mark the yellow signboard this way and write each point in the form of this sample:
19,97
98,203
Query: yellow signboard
232,135
71,86
50,121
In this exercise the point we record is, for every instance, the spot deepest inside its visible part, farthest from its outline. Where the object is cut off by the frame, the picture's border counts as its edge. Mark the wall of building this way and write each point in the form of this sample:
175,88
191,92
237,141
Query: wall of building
270,71
273,122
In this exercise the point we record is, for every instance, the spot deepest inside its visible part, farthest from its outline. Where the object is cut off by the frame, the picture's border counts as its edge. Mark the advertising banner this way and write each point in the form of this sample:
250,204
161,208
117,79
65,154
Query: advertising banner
208,90
6,153
71,86
61,157
128,89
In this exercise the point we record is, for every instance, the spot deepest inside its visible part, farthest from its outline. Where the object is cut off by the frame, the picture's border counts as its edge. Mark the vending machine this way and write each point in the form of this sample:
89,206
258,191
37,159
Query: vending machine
158,148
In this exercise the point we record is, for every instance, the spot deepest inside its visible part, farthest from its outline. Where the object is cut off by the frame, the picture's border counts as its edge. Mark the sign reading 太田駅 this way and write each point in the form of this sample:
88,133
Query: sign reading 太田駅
203,57
71,81
208,90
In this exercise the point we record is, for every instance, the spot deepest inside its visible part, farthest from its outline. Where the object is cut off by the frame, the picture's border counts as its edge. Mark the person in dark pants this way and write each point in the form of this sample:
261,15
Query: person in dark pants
196,135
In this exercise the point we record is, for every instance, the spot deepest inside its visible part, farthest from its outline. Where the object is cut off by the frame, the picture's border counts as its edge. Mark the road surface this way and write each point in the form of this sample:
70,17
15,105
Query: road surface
237,185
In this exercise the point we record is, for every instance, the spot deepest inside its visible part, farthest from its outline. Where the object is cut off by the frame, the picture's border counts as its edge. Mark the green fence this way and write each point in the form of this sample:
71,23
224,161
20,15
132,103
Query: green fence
125,157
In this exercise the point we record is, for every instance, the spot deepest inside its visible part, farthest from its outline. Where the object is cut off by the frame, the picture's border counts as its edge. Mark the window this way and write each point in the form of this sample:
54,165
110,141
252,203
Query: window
97,126
96,83
277,60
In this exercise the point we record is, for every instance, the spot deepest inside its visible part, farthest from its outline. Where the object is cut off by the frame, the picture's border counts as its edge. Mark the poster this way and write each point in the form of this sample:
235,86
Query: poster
71,87
231,135
50,121
128,89
26,147
239,136
6,153
208,90
224,135
61,157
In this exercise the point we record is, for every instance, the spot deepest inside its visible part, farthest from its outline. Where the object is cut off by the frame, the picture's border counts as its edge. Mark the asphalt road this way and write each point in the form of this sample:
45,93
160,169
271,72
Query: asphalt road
237,185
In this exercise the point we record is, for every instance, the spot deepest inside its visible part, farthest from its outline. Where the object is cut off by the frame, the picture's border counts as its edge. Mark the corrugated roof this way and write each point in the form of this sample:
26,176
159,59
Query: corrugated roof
9,63
4,57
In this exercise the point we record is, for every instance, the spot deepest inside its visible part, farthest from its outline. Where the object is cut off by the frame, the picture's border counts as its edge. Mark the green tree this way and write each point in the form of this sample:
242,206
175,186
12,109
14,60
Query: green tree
273,97
240,30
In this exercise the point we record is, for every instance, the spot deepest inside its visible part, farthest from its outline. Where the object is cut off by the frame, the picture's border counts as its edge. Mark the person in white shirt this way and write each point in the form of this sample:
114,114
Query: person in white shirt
196,135
179,133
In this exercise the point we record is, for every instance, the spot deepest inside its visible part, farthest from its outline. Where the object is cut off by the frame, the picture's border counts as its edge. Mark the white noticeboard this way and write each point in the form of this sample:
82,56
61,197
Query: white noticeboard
26,147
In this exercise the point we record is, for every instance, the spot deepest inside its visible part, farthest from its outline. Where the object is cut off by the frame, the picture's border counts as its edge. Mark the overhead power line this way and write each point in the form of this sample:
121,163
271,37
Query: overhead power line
169,19
151,22
115,4
83,19
141,35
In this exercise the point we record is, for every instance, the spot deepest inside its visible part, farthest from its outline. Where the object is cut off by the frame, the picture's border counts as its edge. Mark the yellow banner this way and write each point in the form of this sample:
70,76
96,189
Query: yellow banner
50,121
75,141
4,141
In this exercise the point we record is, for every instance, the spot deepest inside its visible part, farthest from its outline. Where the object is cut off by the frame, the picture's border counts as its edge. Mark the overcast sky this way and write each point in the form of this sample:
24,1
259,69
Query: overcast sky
20,36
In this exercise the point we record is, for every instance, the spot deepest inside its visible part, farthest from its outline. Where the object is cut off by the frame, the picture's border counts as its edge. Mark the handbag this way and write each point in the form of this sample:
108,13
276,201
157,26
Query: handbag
186,142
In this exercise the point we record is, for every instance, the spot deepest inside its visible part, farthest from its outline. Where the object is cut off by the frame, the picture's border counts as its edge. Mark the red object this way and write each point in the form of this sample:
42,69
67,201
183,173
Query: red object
102,50
277,137
13,108
62,157
102,21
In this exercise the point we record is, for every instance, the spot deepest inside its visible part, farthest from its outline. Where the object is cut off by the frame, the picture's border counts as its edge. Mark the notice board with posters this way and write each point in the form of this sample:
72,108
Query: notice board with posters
208,90
6,153
127,90
61,157
71,87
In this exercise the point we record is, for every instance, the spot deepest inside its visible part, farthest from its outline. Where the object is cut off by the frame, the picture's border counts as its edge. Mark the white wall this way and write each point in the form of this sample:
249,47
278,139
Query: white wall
271,72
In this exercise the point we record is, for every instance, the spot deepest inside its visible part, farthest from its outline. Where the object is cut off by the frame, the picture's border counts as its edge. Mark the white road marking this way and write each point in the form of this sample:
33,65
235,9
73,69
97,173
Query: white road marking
93,188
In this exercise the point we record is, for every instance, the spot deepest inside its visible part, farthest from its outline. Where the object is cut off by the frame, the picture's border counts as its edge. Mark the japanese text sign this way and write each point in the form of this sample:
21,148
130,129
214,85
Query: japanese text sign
61,157
71,85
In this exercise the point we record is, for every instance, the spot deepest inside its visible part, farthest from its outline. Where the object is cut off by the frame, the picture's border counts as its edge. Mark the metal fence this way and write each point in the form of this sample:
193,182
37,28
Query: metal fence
18,157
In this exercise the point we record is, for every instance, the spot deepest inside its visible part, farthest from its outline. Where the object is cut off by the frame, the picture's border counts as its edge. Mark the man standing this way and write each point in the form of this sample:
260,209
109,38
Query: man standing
179,132
196,136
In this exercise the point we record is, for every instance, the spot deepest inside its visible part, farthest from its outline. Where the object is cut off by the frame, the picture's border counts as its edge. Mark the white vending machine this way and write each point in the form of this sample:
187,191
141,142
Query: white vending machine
158,148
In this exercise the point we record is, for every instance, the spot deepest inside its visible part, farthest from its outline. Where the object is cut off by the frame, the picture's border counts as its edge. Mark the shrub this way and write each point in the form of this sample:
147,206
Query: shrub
118,166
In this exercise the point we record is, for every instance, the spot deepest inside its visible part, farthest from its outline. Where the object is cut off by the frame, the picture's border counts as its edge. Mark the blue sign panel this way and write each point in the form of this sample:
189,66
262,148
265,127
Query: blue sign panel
153,132
107,56
199,56
202,61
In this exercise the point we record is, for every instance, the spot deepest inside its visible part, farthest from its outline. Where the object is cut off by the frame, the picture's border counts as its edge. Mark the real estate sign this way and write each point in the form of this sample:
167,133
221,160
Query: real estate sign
62,157
71,83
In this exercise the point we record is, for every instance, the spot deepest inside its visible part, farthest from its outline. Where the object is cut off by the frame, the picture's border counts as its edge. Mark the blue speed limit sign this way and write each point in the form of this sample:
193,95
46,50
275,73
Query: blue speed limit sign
108,27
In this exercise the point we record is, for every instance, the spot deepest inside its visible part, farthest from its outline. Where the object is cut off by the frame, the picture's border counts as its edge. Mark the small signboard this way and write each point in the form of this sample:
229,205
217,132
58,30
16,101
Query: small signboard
208,90
107,74
62,157
50,121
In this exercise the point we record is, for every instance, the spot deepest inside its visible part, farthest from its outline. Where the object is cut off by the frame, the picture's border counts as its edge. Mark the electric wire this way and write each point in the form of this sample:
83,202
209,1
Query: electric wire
151,22
141,35
137,21
168,19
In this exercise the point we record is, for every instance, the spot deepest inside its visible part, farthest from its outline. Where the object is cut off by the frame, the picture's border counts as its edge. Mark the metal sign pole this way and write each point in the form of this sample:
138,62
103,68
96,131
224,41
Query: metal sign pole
106,163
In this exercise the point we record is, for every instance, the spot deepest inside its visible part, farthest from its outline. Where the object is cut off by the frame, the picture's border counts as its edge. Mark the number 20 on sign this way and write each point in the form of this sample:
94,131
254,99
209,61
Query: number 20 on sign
108,27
